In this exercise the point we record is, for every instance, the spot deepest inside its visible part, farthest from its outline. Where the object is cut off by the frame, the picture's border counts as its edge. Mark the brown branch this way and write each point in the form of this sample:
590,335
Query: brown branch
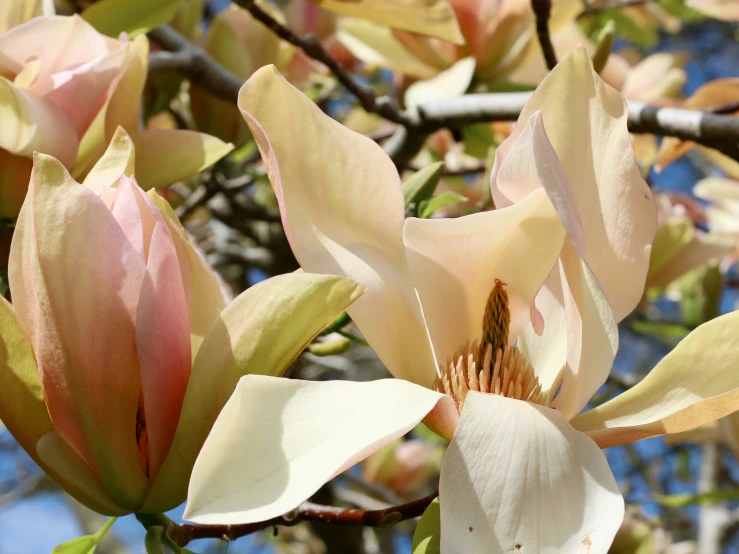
384,106
307,511
542,10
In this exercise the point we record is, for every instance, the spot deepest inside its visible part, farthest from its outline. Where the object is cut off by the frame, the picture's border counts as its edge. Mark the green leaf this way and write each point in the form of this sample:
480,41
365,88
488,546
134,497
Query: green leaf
660,329
426,539
85,544
478,139
112,17
700,295
713,497
420,186
153,540
428,207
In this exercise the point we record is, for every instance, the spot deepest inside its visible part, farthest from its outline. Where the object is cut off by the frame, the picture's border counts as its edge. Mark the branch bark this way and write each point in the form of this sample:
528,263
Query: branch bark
307,511
542,11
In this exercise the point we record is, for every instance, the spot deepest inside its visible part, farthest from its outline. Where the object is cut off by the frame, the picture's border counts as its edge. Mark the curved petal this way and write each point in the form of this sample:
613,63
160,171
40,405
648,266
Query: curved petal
592,334
694,384
163,345
454,264
278,441
343,214
450,83
32,124
585,120
516,476
166,156
75,281
261,332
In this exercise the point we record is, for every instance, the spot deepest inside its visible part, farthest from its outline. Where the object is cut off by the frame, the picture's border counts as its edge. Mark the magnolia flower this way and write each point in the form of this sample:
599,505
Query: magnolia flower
64,89
482,320
15,12
497,33
119,351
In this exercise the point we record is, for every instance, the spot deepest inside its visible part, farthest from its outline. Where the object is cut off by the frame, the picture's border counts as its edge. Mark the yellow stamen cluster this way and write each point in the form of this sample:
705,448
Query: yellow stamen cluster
508,374
490,365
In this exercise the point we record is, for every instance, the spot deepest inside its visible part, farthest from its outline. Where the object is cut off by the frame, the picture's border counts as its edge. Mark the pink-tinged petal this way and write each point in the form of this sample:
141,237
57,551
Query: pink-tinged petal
343,214
59,43
136,214
277,441
32,124
517,477
261,332
592,334
81,91
585,120
454,264
696,383
69,468
163,345
75,280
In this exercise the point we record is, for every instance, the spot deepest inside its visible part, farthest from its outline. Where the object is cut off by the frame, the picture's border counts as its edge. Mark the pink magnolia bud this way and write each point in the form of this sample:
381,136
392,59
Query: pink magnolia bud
404,466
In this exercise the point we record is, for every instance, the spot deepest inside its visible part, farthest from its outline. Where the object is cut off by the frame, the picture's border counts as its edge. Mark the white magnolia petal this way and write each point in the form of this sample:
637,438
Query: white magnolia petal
518,478
277,441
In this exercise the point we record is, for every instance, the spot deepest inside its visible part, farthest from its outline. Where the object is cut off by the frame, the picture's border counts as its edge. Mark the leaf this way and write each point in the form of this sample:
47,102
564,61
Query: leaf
428,207
112,17
427,17
85,544
153,540
700,294
478,139
660,329
426,539
420,186
713,497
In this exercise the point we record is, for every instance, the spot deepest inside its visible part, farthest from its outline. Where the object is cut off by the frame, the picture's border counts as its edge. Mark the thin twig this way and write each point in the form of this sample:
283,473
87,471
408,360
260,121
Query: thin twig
307,511
383,106
542,10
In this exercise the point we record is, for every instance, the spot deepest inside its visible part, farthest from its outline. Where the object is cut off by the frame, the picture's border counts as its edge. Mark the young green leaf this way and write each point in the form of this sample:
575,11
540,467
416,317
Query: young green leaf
85,544
428,207
134,17
426,539
420,186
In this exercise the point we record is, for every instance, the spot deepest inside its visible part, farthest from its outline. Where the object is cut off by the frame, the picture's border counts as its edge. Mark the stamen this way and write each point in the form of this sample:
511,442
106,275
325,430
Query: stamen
491,366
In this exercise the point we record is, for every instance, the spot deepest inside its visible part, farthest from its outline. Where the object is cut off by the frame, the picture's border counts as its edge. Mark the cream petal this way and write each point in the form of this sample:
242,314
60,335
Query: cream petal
277,441
585,120
450,83
261,332
454,264
343,214
163,345
118,160
592,334
518,477
694,384
75,281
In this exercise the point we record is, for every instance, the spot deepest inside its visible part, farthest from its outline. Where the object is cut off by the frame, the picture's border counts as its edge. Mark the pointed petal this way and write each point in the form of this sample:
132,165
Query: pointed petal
694,384
278,441
261,332
75,281
166,156
343,215
31,123
118,160
516,476
163,345
585,121
454,264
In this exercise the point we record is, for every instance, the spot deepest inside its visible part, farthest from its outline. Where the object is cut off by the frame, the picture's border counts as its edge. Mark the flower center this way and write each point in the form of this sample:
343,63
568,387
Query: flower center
490,365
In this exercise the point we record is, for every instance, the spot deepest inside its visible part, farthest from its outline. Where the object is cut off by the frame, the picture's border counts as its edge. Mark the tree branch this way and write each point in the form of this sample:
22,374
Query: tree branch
542,10
383,106
307,511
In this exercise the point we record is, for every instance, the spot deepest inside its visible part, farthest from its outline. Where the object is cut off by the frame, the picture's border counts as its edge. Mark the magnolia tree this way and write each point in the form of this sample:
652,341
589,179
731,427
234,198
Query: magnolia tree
380,275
